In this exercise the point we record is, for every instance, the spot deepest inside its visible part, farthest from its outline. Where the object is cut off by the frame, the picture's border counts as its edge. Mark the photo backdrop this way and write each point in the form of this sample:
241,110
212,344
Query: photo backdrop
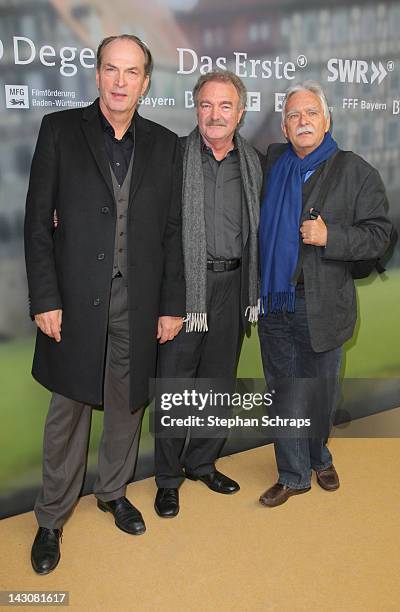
47,64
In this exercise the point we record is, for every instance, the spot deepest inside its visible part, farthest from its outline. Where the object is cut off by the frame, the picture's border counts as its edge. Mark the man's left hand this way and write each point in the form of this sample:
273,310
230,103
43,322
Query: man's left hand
168,328
314,232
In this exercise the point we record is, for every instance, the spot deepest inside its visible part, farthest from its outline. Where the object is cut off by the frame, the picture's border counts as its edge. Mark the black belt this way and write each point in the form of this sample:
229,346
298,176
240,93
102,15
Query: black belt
222,265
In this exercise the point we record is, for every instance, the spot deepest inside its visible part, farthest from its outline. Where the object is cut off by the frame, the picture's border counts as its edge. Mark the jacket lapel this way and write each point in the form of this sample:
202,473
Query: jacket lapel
94,135
313,187
143,145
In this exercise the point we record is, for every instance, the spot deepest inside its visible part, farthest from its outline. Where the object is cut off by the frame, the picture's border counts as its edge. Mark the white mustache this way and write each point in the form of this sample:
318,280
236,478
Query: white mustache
304,129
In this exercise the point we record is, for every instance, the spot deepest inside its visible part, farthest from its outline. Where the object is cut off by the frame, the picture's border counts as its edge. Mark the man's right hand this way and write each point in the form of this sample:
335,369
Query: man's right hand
50,323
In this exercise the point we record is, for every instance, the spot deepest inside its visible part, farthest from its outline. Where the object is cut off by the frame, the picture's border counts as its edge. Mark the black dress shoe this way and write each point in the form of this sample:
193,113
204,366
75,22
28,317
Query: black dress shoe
167,502
45,553
127,517
217,482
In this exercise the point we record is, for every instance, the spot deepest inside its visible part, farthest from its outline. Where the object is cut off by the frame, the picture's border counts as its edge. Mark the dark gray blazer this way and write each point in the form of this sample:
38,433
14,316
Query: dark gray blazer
358,228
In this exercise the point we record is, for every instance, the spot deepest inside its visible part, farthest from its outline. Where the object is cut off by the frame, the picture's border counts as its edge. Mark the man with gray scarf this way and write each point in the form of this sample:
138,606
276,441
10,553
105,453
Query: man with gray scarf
221,192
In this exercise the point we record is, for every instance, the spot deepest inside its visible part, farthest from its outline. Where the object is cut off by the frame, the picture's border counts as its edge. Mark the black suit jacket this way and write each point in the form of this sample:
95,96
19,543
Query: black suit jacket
71,267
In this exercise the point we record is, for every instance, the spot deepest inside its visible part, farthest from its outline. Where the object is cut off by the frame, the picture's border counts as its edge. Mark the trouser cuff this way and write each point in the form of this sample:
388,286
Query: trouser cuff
303,485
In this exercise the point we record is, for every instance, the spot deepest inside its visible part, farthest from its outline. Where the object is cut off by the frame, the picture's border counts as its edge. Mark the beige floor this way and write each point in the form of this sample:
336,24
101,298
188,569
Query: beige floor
319,552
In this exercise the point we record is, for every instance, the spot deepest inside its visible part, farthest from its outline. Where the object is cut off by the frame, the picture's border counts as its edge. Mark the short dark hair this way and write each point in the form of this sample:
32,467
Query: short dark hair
148,60
222,76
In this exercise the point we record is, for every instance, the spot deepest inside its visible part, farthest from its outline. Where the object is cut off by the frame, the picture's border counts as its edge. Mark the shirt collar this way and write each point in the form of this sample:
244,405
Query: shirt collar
107,127
206,149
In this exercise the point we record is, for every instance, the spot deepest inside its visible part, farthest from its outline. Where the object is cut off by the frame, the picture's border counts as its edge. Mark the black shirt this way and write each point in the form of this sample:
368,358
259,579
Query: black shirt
222,204
119,152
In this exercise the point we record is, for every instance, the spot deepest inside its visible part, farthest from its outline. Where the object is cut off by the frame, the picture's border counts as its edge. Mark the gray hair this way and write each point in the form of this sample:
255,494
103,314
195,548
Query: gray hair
148,60
312,86
222,76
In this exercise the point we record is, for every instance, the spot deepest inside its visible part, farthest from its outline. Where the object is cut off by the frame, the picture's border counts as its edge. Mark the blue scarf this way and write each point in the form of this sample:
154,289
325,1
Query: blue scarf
279,224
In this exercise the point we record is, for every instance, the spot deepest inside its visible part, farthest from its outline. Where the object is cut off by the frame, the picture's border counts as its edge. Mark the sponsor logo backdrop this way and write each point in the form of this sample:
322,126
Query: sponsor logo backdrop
47,64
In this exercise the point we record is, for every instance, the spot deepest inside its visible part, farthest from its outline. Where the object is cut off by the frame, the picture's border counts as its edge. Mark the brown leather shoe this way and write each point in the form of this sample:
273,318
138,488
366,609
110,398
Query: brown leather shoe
328,479
278,494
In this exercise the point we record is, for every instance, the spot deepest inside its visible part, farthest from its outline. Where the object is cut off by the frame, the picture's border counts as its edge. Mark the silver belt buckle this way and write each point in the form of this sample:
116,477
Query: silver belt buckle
219,266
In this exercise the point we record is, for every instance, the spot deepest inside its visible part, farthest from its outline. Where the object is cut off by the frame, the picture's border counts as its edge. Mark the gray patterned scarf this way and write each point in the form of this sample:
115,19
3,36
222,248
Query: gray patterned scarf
194,230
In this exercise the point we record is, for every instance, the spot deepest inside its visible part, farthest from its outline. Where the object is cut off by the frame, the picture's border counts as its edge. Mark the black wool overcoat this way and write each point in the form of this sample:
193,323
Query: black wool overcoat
70,267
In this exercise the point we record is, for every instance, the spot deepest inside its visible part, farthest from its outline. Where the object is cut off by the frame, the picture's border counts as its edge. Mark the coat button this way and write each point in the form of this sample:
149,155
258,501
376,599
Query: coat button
100,256
105,210
96,301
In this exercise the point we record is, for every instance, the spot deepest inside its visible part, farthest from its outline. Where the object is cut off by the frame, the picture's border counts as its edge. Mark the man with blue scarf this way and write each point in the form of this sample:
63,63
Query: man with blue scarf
308,302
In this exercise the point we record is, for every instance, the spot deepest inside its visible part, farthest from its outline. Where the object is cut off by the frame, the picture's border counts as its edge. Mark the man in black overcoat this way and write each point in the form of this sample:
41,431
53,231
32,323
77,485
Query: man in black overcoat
104,284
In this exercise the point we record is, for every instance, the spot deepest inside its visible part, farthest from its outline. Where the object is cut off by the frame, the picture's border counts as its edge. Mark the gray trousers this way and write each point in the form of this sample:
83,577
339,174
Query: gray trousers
67,430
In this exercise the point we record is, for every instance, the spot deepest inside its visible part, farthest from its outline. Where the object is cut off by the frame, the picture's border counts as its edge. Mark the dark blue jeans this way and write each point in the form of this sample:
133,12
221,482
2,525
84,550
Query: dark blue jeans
306,383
